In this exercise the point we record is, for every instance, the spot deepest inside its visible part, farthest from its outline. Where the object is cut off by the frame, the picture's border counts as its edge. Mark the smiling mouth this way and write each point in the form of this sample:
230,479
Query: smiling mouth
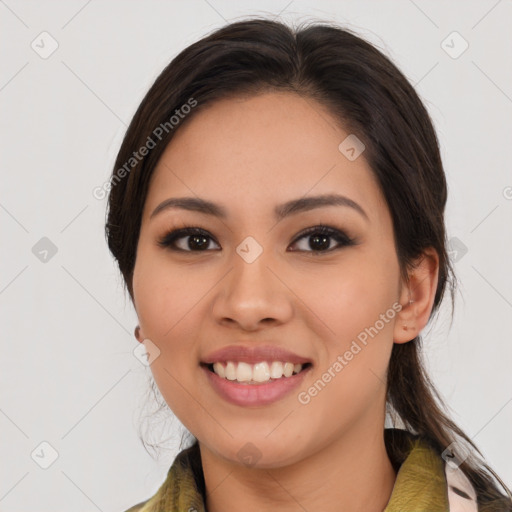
253,374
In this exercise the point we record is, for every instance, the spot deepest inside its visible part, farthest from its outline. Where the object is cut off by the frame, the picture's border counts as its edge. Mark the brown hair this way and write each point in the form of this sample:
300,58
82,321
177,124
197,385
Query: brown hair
371,98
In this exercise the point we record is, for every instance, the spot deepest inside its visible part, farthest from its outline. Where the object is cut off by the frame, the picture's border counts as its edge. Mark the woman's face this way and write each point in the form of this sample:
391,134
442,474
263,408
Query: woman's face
254,280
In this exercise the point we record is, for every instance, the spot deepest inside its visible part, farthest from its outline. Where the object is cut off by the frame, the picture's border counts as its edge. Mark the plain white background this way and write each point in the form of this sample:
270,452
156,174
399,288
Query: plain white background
68,374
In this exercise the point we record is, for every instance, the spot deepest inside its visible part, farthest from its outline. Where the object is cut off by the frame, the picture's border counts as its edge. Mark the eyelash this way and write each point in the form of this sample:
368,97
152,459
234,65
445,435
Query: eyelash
343,240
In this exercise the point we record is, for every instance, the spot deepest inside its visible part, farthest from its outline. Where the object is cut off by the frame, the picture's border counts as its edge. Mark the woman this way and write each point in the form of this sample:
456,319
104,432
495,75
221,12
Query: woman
276,211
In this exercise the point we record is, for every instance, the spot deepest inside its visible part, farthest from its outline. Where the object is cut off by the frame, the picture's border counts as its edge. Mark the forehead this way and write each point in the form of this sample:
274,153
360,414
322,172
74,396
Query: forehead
263,149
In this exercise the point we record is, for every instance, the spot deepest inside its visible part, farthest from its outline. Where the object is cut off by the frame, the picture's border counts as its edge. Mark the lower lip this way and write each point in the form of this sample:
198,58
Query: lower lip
254,394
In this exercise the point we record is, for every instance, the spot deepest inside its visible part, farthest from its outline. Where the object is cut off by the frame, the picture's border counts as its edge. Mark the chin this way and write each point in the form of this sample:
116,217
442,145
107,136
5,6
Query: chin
258,452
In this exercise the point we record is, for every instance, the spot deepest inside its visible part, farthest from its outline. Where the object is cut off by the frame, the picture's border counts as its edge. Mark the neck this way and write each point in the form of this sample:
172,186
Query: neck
352,473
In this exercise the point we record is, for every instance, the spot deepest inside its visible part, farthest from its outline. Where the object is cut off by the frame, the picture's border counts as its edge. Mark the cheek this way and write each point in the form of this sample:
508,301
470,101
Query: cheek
169,310
168,315
348,297
355,306
177,384
165,294
352,370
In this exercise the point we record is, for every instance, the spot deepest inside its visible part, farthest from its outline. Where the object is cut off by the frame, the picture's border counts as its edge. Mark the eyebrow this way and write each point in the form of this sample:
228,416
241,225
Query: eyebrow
292,207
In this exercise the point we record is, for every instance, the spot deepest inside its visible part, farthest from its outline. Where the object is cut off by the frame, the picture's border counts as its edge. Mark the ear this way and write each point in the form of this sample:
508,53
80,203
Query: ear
138,336
417,297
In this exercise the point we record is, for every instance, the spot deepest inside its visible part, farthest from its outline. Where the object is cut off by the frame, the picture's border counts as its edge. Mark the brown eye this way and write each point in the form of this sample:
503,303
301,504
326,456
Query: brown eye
320,238
198,240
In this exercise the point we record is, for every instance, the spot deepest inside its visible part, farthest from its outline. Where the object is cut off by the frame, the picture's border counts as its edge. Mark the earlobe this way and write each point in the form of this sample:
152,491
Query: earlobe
405,325
417,297
137,334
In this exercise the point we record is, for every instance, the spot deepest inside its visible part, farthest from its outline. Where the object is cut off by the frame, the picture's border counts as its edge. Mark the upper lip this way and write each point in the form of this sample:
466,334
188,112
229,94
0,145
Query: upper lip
254,354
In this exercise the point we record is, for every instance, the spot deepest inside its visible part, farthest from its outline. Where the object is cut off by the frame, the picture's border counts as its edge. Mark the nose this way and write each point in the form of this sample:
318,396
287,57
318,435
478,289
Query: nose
252,295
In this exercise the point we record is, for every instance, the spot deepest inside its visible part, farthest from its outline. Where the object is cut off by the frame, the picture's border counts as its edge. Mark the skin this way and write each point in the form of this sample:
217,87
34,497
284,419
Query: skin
249,155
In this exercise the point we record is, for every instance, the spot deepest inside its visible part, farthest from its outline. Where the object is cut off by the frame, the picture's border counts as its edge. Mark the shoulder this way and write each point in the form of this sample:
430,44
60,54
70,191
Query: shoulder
423,473
184,481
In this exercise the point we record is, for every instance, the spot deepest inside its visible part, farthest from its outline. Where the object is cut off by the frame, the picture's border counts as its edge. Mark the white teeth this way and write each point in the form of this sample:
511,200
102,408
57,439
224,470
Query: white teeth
276,370
259,372
243,372
230,371
288,369
219,370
